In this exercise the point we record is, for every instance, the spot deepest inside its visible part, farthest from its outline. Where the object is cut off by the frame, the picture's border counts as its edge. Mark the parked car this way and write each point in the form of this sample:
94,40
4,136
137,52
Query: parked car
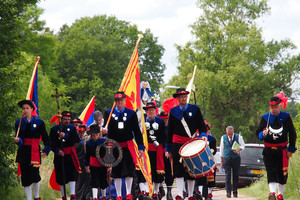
251,168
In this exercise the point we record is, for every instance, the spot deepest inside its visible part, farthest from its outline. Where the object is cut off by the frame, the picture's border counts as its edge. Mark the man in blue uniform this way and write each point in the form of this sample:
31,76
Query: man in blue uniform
277,130
184,122
31,129
63,139
123,128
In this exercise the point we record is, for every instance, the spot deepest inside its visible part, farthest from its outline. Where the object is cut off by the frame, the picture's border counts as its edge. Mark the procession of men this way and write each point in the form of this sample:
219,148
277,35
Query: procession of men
179,146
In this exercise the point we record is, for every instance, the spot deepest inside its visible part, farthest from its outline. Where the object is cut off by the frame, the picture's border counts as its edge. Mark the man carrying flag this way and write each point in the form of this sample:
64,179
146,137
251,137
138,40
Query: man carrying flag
29,130
123,127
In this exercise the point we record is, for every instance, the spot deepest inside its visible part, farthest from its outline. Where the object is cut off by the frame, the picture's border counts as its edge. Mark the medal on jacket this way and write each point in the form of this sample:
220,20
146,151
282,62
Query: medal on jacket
120,125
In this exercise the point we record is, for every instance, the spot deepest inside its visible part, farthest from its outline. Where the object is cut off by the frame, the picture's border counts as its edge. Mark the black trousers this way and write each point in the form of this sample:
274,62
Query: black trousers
234,165
273,164
29,174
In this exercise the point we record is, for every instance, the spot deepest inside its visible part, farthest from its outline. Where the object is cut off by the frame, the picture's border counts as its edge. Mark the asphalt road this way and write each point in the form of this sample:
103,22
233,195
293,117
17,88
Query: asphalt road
218,194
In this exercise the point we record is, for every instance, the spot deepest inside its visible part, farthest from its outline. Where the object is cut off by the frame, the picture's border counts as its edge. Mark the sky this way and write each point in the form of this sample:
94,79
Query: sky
169,20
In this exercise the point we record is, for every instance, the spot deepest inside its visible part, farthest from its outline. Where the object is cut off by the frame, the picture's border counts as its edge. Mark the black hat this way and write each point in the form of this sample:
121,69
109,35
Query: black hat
93,129
149,105
66,113
207,126
274,101
21,103
120,95
76,120
163,115
81,127
180,91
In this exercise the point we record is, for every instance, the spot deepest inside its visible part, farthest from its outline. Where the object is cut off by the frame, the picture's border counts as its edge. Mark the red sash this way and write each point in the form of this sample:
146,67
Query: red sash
180,139
72,151
94,162
285,158
130,145
160,165
35,150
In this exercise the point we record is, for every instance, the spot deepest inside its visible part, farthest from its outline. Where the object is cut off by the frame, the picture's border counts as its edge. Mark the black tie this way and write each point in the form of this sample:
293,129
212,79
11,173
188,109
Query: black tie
230,140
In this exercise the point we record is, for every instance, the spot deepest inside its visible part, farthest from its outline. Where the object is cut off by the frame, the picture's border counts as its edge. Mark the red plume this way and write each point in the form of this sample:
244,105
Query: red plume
169,104
33,113
54,119
283,99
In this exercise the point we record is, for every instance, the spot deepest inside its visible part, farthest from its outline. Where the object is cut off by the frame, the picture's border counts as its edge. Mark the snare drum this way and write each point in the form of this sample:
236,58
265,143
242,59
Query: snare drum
197,157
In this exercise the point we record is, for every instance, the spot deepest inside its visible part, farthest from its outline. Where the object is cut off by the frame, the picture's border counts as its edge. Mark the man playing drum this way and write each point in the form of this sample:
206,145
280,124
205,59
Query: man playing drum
184,121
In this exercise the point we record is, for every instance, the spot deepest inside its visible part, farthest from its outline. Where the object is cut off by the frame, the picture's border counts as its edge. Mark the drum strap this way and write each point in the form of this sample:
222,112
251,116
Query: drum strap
186,128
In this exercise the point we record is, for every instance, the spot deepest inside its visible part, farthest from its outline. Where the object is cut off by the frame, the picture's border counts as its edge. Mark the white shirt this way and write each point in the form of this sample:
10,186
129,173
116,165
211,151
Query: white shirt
241,143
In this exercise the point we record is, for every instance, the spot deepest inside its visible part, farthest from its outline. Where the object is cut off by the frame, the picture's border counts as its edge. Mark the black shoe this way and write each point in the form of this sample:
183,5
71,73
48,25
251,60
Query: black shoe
162,191
198,195
228,195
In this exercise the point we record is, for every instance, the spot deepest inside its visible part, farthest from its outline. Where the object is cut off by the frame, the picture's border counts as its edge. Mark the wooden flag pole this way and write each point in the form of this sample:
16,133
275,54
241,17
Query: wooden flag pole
140,36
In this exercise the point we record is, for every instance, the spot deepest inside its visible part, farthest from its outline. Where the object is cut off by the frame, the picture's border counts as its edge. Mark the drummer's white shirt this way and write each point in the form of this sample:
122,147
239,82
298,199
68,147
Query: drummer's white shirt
241,143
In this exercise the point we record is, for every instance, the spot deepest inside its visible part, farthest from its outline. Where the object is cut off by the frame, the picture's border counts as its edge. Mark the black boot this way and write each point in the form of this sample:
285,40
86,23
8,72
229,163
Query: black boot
169,193
162,192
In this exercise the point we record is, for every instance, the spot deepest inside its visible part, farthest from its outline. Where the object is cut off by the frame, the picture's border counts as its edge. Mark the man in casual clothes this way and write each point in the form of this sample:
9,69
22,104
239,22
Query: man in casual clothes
63,139
123,128
277,130
30,130
184,121
230,159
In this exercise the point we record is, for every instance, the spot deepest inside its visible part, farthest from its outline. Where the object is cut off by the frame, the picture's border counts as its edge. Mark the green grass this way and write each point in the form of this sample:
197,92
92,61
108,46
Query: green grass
45,192
260,189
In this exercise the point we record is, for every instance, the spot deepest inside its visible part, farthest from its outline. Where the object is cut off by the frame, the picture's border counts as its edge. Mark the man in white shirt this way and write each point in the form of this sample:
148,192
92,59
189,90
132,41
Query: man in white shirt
230,159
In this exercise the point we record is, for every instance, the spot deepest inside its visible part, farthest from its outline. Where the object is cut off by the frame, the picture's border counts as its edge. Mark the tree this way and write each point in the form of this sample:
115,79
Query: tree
238,70
10,14
93,55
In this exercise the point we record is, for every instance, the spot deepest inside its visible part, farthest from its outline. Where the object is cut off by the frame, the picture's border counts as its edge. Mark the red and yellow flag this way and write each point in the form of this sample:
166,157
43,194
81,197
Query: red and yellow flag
131,87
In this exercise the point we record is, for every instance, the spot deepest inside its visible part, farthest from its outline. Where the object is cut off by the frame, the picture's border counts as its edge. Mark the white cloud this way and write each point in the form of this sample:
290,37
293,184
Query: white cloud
168,20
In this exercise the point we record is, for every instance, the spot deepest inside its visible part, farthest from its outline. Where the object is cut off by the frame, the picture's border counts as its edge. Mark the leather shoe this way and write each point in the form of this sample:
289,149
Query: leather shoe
228,195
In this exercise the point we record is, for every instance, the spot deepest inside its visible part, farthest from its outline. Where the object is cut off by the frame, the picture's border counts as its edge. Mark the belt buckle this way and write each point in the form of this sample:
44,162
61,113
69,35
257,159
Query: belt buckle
274,148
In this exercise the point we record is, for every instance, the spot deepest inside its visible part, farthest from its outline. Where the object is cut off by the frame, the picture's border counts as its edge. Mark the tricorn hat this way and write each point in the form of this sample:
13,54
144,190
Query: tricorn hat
163,115
81,127
180,91
93,129
149,105
66,113
274,101
21,103
76,120
120,95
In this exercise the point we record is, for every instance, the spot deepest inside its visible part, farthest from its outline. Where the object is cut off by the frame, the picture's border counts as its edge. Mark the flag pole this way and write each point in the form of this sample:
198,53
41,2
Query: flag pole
32,78
140,36
29,91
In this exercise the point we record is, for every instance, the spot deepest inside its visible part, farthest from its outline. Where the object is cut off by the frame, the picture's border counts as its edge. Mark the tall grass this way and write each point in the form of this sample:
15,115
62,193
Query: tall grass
260,189
45,192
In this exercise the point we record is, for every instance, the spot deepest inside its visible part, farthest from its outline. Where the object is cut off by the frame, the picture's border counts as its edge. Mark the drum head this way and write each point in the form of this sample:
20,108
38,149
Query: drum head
193,147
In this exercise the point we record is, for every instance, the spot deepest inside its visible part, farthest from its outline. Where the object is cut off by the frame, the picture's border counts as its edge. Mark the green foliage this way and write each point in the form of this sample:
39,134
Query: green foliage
10,13
93,55
260,190
237,71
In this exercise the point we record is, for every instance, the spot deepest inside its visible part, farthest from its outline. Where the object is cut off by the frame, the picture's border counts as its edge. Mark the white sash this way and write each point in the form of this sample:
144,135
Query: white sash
186,128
